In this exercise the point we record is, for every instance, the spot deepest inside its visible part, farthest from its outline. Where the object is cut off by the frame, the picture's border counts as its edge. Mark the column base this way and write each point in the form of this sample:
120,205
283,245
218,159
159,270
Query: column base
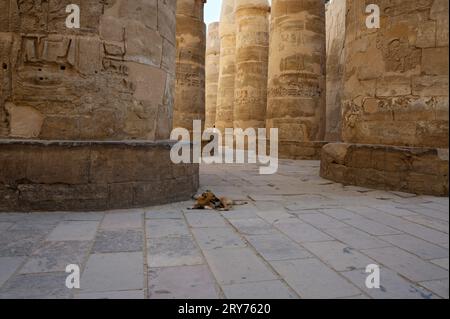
41,175
406,169
300,150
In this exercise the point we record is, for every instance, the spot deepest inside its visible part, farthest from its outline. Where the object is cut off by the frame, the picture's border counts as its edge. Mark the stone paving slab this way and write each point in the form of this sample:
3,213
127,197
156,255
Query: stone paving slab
339,256
54,256
253,226
406,264
122,220
112,272
439,287
156,228
392,286
173,251
19,242
443,262
123,294
164,215
84,216
277,247
73,230
205,219
8,265
356,238
118,240
417,246
298,236
301,232
434,223
272,289
311,278
36,286
215,238
185,282
321,221
237,265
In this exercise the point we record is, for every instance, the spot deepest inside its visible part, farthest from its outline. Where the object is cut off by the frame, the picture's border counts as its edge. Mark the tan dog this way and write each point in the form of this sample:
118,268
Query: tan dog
207,200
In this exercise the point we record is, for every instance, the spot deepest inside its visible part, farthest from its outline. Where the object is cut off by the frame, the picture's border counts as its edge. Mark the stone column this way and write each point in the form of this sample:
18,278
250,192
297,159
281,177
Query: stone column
296,78
252,50
225,90
335,30
212,73
190,64
395,99
86,113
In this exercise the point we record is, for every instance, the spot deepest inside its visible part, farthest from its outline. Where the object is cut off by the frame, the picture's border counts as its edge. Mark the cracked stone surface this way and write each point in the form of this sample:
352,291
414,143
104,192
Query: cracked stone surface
299,236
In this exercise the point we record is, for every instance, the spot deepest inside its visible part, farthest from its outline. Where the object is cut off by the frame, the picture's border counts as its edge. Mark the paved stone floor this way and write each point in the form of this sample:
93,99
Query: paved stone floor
300,236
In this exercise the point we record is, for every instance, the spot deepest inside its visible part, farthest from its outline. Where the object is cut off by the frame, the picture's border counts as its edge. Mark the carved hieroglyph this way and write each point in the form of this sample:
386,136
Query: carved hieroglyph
296,78
225,90
252,50
112,79
335,31
190,64
85,113
396,77
212,73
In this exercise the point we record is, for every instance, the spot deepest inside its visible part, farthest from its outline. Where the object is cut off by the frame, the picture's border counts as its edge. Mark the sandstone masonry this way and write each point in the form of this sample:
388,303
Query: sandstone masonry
395,100
225,90
252,50
296,78
190,64
78,102
212,73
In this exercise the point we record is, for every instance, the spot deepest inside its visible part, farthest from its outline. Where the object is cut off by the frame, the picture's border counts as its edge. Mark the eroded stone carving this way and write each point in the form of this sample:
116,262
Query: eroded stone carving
225,90
190,64
212,73
296,78
252,50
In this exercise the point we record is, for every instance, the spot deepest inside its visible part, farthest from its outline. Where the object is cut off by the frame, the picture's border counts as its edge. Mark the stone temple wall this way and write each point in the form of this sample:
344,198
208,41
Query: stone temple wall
79,107
335,39
296,76
396,77
190,64
395,99
212,73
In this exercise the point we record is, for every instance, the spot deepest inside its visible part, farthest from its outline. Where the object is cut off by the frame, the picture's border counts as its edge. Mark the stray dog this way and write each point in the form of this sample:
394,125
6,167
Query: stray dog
207,200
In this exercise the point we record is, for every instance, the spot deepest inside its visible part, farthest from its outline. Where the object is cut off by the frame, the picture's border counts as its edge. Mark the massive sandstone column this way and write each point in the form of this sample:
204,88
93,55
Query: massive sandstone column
296,79
225,90
335,31
212,73
395,94
252,50
85,113
190,64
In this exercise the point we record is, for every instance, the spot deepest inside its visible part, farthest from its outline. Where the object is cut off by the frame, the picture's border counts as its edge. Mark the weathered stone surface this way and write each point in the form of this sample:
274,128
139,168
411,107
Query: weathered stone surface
300,150
335,29
110,80
95,175
414,170
212,62
252,50
396,77
227,71
190,64
78,83
296,76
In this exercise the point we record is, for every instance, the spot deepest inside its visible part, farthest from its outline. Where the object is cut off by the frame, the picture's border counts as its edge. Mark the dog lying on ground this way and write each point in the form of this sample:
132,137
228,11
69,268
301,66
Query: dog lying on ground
208,200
